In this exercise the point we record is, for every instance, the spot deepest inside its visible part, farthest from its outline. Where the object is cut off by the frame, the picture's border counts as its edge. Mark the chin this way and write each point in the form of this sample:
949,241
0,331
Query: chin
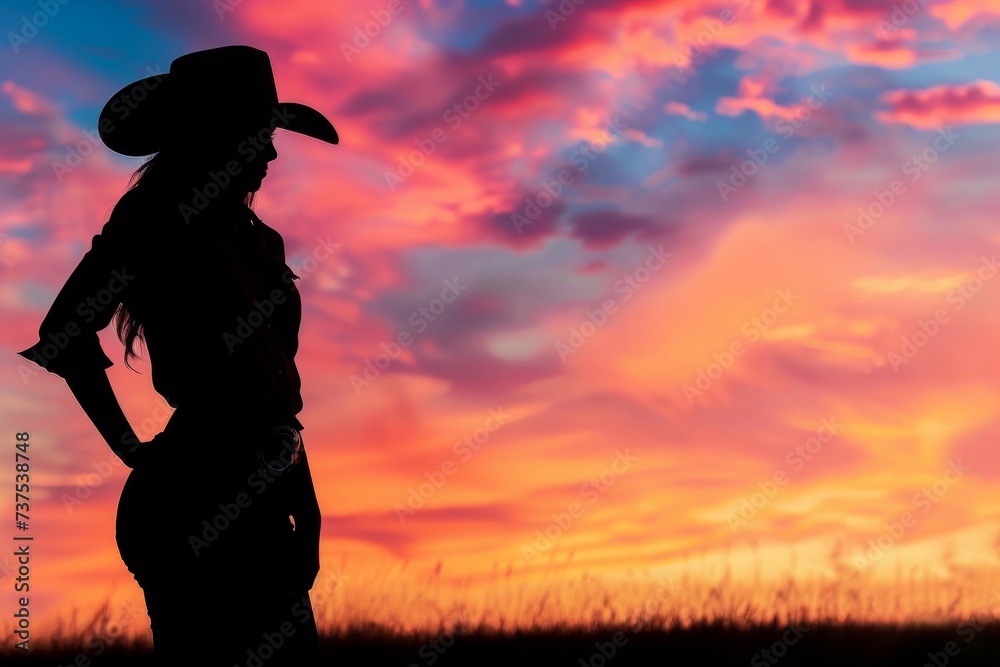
252,185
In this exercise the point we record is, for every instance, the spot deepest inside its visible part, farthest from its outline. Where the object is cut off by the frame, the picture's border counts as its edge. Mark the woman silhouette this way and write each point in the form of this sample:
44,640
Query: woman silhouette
218,520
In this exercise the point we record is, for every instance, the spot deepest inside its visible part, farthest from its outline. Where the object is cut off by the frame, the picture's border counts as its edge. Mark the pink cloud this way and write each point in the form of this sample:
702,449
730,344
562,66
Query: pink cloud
969,104
681,109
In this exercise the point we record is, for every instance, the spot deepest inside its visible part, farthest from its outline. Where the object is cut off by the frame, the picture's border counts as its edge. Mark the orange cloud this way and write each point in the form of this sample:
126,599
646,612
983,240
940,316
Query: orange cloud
958,13
970,104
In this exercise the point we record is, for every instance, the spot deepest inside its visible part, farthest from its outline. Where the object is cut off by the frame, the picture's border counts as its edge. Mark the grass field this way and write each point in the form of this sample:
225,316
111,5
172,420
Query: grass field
554,617
717,644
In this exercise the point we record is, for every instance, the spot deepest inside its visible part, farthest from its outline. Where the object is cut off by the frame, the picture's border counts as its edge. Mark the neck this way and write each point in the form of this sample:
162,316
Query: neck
230,196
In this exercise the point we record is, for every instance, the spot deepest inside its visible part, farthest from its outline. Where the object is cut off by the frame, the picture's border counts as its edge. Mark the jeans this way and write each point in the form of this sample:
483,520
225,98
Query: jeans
210,543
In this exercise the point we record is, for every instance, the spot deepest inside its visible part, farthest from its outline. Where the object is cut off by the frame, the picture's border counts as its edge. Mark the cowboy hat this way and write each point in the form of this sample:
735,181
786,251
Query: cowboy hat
218,86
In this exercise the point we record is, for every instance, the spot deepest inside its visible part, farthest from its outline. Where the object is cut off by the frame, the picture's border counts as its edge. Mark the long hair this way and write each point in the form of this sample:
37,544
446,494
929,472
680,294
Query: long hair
158,169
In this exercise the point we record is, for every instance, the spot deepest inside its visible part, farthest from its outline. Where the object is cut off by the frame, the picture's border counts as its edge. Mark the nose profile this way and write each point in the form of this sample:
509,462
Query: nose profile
270,152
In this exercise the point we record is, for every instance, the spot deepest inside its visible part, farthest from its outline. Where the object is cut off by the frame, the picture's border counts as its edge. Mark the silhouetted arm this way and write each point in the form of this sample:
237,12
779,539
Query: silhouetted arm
304,508
68,344
94,393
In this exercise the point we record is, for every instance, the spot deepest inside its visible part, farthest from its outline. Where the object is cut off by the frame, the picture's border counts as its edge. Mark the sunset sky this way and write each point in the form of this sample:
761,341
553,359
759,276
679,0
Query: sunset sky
722,276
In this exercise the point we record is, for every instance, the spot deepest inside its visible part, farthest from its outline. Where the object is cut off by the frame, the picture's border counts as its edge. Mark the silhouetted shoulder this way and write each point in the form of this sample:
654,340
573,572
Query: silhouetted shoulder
140,208
273,240
142,220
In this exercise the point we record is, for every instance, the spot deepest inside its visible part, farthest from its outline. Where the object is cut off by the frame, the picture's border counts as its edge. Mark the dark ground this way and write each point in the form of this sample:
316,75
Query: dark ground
914,646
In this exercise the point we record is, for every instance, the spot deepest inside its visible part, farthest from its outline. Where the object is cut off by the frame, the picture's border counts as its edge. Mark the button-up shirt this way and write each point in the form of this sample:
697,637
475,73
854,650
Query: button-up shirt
217,302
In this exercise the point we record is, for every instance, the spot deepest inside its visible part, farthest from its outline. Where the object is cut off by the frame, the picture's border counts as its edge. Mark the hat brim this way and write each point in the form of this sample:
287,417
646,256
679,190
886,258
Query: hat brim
308,121
134,119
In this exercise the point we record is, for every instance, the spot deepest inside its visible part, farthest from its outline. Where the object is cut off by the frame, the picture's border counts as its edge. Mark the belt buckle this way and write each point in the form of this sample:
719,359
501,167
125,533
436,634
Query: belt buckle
283,444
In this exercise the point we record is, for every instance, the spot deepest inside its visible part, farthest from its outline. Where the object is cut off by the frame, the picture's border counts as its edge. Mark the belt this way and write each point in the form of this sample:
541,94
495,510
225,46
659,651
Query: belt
275,447
281,449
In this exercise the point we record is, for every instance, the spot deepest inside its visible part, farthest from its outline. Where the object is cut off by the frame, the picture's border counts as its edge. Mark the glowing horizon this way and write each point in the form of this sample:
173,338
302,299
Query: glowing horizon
624,288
